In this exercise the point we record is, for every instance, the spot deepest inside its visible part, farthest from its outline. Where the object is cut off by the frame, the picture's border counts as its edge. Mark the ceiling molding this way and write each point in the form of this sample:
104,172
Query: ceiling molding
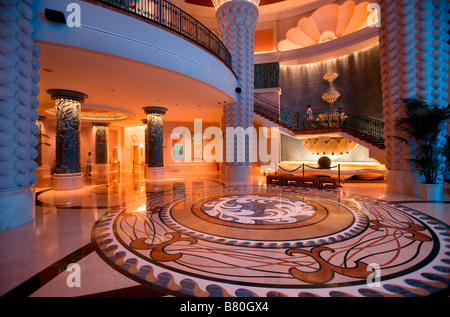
317,53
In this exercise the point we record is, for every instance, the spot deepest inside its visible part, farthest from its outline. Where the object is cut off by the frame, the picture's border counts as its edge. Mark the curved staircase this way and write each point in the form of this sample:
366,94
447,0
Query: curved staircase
365,130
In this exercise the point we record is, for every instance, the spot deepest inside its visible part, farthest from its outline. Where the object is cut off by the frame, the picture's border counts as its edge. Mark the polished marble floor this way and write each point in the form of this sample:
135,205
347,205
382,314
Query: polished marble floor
201,236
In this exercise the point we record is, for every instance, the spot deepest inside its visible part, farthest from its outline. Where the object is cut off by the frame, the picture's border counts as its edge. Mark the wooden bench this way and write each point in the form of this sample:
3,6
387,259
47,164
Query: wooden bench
274,180
310,182
324,183
302,181
290,180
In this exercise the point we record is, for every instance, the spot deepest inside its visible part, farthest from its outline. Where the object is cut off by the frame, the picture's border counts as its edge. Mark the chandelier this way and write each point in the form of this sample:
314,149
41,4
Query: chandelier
331,96
330,146
218,3
330,77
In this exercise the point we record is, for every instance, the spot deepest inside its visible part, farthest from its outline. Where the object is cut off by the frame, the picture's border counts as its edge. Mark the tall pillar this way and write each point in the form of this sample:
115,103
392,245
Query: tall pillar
41,140
144,121
19,77
101,147
67,174
154,137
414,60
237,21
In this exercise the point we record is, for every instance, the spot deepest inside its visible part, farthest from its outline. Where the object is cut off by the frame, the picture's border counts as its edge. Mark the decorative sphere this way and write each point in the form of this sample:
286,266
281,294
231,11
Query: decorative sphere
324,162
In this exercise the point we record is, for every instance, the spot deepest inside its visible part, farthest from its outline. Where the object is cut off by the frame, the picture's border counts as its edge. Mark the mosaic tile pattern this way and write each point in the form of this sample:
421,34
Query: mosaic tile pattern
274,241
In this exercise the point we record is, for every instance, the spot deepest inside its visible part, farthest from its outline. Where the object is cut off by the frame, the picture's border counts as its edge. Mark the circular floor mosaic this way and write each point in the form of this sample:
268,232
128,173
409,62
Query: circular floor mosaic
274,241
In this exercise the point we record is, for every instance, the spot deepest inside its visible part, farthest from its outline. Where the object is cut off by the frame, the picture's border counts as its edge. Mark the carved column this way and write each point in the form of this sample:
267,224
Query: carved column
19,77
154,142
41,139
144,121
413,54
67,139
237,20
101,147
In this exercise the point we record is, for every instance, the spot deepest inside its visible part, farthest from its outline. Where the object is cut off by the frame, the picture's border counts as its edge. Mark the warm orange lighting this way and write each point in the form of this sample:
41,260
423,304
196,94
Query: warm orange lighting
264,40
218,3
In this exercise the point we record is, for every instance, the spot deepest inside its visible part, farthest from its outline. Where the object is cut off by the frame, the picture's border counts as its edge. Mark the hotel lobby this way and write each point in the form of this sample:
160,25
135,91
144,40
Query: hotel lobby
225,148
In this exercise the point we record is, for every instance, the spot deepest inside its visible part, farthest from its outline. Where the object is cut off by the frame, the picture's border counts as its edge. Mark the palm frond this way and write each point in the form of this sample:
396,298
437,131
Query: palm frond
422,124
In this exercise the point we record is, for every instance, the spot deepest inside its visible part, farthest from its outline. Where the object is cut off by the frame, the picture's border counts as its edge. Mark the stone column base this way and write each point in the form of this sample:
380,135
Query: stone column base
403,182
43,171
16,206
239,173
154,173
101,168
67,181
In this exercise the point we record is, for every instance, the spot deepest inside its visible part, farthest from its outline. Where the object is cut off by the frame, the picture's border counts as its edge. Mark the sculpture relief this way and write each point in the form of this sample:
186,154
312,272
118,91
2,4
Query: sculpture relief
67,136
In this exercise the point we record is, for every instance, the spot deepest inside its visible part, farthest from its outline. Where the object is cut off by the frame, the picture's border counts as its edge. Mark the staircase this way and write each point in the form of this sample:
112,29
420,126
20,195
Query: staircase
357,127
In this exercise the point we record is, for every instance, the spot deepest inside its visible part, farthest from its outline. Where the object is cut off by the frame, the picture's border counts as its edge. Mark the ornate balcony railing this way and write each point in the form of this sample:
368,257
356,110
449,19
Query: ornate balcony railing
365,127
173,18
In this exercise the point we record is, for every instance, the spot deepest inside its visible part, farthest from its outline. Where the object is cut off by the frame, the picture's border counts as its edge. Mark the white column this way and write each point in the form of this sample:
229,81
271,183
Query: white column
414,59
18,103
237,20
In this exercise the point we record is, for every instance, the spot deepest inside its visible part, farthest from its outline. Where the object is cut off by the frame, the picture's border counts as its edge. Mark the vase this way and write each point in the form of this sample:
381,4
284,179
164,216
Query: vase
431,192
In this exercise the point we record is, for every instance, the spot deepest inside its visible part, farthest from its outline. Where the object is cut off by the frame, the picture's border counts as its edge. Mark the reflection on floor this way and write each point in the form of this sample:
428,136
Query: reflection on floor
200,236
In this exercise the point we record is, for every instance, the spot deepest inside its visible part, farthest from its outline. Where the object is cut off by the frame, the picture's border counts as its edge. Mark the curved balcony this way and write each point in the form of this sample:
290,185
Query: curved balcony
169,16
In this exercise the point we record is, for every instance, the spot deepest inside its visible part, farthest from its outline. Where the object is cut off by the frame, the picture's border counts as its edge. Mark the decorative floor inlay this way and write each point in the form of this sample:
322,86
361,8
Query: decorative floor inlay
274,241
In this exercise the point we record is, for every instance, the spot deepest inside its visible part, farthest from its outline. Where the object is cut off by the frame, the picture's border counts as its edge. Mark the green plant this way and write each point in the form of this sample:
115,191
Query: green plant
423,125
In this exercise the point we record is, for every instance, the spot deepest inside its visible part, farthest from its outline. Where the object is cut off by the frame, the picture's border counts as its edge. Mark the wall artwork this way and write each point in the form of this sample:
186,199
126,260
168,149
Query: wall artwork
178,145
197,139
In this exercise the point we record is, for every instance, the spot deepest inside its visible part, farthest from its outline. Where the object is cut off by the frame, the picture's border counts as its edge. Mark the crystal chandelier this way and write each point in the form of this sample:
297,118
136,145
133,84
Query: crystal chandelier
330,77
331,97
218,3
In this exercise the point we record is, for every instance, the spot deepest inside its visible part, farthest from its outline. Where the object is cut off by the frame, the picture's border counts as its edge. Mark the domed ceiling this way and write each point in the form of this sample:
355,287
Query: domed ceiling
327,23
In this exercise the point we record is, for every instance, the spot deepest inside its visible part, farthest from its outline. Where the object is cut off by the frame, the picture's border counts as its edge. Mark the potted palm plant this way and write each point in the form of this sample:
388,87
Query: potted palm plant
423,125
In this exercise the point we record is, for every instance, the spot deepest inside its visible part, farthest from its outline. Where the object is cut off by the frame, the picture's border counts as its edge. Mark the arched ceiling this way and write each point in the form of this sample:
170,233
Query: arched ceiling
118,88
285,25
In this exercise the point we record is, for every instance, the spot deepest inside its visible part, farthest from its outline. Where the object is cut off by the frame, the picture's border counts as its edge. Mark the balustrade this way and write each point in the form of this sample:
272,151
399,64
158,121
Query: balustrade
333,117
170,16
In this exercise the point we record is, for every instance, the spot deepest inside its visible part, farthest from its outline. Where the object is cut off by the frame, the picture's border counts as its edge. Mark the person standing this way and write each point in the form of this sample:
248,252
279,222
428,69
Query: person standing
89,164
309,117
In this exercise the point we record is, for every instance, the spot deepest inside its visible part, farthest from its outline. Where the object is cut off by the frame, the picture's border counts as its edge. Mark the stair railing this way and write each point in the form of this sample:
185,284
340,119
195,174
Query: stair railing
168,15
361,125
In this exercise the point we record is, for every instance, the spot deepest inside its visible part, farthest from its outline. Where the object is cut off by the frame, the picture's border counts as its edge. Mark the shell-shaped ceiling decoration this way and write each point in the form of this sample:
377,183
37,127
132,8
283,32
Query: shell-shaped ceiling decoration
327,23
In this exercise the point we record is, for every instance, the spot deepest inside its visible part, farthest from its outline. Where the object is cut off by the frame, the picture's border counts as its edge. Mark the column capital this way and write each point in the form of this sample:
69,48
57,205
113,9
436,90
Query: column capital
155,110
68,94
218,3
237,12
144,121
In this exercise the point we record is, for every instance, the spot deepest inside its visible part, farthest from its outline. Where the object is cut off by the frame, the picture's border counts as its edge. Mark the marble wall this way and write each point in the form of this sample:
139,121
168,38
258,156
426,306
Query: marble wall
359,83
